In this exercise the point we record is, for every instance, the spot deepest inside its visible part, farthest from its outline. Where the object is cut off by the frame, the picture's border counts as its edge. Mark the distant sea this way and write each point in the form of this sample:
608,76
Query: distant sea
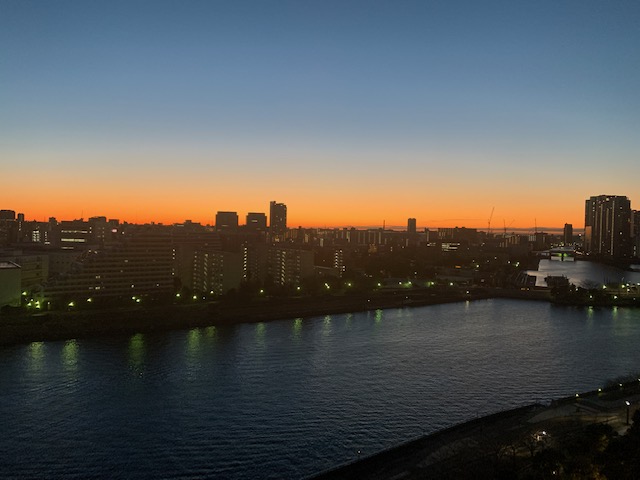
291,398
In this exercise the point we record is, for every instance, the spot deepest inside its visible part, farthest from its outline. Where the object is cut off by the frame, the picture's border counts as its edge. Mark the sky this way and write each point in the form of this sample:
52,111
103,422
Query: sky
353,113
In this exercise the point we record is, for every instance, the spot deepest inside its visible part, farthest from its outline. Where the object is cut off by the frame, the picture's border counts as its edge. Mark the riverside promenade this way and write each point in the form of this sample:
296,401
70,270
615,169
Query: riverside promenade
63,325
474,449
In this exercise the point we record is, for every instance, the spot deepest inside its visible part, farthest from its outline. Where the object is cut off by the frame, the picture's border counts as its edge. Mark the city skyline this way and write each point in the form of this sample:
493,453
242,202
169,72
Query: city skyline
249,220
351,114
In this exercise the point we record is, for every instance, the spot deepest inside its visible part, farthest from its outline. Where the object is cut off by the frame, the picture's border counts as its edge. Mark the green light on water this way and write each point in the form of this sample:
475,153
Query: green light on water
297,327
136,352
210,332
70,354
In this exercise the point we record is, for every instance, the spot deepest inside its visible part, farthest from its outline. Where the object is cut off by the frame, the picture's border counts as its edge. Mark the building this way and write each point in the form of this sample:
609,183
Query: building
10,290
607,226
141,264
277,220
282,266
75,234
226,221
411,226
7,215
289,266
34,266
338,261
216,272
635,232
256,222
567,237
8,227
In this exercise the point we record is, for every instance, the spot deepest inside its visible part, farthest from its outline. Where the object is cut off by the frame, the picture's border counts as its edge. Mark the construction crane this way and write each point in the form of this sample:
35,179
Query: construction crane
489,221
506,226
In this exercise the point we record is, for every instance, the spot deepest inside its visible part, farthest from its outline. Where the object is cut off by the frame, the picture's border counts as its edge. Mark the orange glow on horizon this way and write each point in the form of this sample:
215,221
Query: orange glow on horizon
169,197
306,215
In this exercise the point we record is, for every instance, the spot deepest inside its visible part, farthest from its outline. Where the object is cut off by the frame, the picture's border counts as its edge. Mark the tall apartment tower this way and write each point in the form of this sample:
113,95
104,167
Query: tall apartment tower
607,226
635,232
411,225
568,234
277,219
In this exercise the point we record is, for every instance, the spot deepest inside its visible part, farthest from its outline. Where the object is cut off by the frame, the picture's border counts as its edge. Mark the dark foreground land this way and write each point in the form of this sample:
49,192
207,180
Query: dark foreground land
63,325
585,436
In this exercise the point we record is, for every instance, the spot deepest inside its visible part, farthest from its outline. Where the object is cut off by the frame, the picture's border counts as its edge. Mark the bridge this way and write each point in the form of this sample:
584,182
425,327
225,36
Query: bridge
561,254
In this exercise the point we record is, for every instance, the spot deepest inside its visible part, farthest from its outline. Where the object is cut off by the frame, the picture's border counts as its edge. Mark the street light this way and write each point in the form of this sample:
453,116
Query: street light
628,405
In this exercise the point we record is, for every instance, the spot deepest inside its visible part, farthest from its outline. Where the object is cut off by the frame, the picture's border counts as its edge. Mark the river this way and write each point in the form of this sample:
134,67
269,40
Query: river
290,398
582,273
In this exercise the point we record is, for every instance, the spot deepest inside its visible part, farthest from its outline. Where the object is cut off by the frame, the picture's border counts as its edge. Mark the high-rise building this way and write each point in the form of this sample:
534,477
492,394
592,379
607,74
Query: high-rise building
256,222
635,232
277,219
411,225
568,234
607,226
226,221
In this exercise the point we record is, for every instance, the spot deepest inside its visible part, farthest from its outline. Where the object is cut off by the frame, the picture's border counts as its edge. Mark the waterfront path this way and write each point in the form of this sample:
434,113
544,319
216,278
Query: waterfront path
64,325
473,449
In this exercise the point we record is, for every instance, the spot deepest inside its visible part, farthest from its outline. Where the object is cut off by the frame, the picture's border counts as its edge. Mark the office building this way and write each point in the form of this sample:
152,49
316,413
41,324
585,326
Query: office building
226,221
256,222
75,234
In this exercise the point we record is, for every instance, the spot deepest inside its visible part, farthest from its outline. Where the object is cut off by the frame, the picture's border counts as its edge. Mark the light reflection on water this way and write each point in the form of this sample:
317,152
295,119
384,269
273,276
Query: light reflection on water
252,400
36,356
136,354
260,333
297,327
70,354
326,330
582,273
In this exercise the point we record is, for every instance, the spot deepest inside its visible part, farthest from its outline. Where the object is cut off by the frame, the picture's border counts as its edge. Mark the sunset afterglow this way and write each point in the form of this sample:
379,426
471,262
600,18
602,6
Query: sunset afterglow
350,114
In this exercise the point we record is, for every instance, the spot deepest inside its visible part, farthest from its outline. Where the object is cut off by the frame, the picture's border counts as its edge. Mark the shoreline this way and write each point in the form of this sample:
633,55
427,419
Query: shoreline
473,448
19,328
55,326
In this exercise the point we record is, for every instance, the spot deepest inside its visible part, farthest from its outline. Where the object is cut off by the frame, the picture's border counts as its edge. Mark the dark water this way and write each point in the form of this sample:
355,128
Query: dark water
291,398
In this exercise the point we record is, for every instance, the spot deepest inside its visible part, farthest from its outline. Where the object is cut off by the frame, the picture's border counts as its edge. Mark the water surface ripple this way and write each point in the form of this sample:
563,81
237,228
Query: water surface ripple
290,398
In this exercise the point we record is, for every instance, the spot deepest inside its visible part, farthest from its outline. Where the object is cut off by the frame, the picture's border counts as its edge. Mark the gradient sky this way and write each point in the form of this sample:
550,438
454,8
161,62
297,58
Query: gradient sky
350,112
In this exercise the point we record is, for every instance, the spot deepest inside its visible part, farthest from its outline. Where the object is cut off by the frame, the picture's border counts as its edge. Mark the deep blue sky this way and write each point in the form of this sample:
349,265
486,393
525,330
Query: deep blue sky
350,112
